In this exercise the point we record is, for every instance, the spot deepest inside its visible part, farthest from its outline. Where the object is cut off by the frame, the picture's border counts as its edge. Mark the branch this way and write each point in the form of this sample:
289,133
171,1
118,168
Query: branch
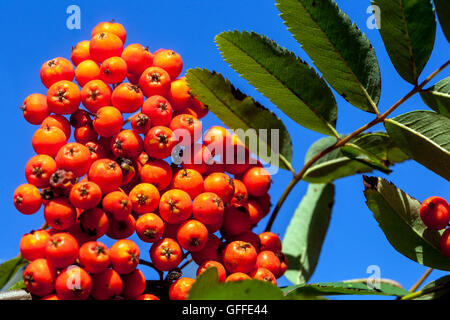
341,142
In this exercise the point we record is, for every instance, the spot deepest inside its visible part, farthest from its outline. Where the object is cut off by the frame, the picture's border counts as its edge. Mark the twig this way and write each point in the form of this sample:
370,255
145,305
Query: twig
421,280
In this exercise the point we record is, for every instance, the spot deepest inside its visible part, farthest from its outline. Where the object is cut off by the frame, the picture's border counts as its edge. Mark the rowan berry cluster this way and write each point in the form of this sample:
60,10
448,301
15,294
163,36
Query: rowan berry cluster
435,214
117,178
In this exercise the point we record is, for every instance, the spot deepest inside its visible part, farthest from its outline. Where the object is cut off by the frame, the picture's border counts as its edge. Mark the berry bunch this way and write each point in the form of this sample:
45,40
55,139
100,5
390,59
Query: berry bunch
435,214
118,178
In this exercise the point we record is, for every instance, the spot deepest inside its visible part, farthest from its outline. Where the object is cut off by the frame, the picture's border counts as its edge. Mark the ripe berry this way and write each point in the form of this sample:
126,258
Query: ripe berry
435,213
108,121
137,57
221,272
159,142
144,198
104,45
55,70
157,172
170,61
32,245
175,206
268,260
60,214
124,256
270,241
188,180
149,227
113,70
133,284
208,208
106,285
445,243
179,290
107,174
211,251
155,81
264,275
192,235
166,254
127,97
73,283
158,109
62,250
39,277
94,257
96,94
237,276
35,108
48,140
257,180
58,121
94,222
220,184
74,157
80,52
85,195
117,204
86,71
121,228
27,199
111,27
239,256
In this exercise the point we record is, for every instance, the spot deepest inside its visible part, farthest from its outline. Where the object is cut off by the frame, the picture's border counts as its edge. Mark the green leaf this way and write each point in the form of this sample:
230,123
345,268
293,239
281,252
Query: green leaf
443,13
15,279
17,286
287,81
437,97
337,47
425,136
357,153
351,287
306,232
9,268
398,216
408,30
208,287
337,165
238,111
435,290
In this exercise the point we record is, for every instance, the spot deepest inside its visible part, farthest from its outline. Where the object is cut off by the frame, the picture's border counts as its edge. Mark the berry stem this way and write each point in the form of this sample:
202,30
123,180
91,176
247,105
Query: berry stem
421,280
185,264
341,142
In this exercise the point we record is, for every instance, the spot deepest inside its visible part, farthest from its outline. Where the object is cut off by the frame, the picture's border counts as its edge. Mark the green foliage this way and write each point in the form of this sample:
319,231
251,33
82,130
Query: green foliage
338,48
408,30
443,13
208,287
435,290
337,165
425,136
398,216
239,111
283,78
11,272
357,153
437,97
351,287
306,232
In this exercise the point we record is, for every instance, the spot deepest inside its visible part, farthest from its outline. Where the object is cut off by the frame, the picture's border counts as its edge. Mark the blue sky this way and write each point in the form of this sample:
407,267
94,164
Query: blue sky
35,32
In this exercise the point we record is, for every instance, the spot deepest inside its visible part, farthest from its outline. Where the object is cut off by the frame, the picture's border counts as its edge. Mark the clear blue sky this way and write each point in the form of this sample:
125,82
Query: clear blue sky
35,32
